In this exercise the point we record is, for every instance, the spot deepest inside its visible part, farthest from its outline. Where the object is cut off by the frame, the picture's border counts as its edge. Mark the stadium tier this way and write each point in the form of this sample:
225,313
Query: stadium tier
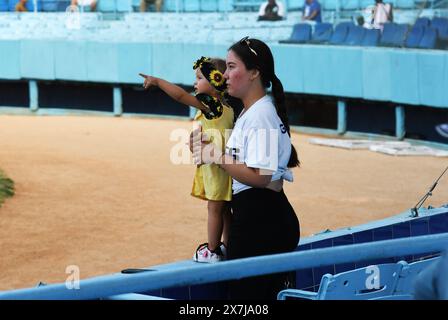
336,60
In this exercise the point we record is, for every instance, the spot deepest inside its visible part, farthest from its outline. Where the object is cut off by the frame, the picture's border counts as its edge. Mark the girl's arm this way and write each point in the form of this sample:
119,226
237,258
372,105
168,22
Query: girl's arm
174,91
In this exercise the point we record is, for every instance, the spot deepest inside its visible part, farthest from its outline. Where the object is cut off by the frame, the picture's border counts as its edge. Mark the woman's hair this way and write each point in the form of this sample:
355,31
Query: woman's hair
219,64
255,54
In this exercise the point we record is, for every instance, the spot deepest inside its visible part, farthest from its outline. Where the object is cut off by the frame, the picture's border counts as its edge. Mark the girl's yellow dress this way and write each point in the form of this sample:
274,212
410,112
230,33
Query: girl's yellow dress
211,182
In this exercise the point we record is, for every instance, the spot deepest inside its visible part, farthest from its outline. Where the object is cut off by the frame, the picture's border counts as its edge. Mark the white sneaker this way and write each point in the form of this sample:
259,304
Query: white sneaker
203,254
223,249
442,129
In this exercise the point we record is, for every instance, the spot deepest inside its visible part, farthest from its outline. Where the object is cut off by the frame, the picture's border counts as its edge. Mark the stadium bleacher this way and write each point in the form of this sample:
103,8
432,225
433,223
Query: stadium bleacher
218,21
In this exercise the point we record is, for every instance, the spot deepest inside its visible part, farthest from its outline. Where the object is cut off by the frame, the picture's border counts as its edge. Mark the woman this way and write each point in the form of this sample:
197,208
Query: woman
258,155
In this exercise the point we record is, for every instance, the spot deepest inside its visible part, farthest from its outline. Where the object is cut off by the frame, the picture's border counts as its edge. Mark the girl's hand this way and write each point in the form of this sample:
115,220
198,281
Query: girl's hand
149,81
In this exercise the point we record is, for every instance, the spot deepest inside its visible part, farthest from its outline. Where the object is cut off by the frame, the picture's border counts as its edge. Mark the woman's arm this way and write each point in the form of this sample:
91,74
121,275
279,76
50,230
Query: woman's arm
174,91
210,153
244,174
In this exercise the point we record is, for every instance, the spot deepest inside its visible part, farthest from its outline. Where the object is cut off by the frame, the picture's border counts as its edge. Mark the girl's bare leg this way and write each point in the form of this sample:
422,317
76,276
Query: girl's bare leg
215,223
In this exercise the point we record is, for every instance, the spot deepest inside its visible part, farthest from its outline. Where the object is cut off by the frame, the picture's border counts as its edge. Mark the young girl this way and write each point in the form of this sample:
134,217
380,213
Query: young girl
210,183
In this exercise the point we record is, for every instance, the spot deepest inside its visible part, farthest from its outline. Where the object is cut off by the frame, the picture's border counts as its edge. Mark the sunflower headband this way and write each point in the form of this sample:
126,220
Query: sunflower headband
213,75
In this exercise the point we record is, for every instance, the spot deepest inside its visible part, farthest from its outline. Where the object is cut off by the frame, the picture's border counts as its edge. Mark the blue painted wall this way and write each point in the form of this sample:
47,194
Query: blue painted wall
405,76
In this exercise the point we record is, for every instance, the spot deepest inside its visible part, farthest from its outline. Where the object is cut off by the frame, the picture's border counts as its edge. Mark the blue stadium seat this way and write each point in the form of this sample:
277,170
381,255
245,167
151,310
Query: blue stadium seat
354,36
49,5
394,35
387,37
340,33
301,33
441,24
62,5
422,22
429,39
371,38
4,5
414,36
400,34
322,32
408,275
351,285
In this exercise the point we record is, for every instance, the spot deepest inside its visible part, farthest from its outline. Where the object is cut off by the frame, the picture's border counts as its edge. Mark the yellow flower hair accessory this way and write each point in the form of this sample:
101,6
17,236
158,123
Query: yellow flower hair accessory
214,76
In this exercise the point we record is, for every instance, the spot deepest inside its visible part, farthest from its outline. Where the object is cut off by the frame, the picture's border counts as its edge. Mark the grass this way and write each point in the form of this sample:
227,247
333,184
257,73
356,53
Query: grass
6,187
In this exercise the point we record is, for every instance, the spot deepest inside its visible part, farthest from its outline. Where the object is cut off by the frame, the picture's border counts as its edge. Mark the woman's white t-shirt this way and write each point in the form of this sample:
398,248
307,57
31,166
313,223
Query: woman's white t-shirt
260,140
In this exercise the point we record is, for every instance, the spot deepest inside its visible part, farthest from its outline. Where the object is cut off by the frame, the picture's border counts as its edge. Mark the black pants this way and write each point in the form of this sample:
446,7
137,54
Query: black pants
263,222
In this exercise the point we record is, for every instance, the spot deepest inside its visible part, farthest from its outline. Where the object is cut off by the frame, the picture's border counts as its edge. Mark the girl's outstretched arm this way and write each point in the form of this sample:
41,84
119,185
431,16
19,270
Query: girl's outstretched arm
174,91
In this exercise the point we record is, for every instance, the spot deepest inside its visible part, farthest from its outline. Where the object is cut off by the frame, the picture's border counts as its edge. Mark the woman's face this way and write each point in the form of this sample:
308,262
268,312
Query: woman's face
237,76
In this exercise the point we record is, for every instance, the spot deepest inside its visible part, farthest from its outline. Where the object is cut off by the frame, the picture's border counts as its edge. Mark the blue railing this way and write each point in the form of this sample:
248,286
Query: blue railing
193,274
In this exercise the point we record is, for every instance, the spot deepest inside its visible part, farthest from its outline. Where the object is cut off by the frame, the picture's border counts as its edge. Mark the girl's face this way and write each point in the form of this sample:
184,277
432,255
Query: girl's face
237,76
201,85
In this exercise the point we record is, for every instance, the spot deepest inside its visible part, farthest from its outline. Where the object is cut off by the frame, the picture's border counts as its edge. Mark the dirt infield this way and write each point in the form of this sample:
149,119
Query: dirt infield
102,194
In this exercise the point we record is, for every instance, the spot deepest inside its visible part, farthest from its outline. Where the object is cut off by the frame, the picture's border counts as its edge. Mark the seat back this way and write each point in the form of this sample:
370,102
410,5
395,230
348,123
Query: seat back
415,36
301,32
422,22
322,32
4,5
441,24
401,33
363,283
340,33
371,38
387,37
355,36
408,275
49,5
394,35
429,39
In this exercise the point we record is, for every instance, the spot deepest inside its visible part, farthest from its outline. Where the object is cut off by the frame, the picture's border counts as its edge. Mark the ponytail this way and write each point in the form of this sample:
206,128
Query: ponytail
280,106
255,54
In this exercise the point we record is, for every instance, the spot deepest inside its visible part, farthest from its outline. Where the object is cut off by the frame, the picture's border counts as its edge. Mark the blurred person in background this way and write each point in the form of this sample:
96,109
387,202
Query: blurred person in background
21,6
91,3
432,283
157,3
312,11
376,16
271,11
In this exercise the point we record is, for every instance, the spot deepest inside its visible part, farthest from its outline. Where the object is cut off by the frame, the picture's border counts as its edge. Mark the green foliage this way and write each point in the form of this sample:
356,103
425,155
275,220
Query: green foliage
6,187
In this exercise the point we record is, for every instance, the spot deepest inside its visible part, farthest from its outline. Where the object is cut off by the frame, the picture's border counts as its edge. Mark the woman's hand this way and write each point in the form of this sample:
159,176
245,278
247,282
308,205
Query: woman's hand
149,81
203,152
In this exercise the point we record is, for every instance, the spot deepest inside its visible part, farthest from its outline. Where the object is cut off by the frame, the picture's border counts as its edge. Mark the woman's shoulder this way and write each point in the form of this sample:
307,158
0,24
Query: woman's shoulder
262,118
